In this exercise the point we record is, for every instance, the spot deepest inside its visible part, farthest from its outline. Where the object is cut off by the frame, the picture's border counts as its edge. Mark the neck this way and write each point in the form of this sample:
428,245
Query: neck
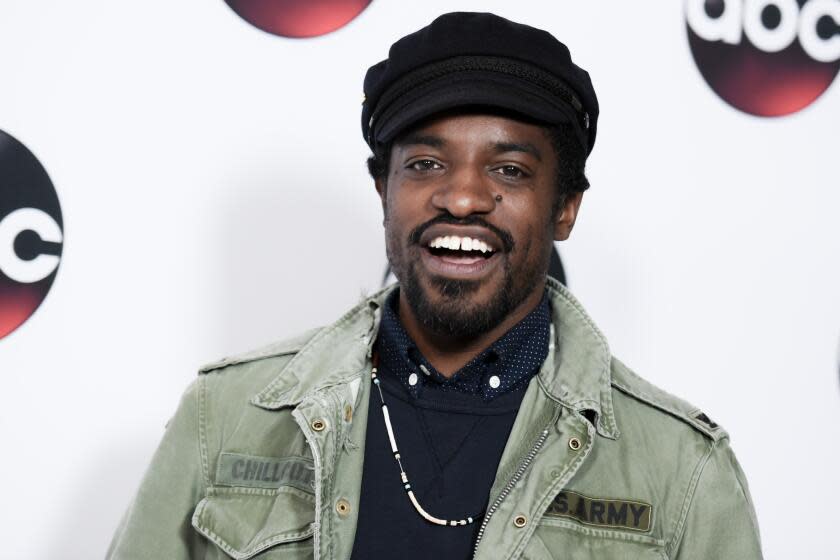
449,353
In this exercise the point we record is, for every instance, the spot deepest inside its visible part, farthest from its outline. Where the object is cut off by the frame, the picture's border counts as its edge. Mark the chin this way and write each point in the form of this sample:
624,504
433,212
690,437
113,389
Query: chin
458,308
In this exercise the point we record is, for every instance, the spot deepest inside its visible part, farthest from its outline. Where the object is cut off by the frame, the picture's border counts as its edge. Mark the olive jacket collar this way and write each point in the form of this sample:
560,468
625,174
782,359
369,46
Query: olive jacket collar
575,374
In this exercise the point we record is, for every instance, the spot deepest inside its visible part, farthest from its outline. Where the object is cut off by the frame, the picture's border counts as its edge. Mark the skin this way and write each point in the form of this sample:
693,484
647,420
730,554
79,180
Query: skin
457,165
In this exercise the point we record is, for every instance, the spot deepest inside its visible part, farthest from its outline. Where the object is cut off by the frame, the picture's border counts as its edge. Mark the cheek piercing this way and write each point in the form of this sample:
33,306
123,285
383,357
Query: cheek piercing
498,198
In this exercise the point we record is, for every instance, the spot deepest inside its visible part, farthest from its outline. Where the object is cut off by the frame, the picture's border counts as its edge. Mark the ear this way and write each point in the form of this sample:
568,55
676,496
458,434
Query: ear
564,221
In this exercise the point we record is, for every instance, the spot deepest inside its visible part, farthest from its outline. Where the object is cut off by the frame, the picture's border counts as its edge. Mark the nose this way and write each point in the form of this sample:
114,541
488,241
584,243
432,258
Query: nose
466,191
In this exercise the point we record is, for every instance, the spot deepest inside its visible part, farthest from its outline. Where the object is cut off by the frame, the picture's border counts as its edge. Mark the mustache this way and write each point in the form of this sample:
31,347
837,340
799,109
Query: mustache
505,237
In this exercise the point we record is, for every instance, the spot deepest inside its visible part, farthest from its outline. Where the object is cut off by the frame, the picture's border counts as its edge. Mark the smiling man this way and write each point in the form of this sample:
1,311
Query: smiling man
473,410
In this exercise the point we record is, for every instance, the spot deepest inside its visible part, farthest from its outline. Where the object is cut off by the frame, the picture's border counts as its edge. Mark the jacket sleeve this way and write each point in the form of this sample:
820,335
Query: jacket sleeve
158,522
720,522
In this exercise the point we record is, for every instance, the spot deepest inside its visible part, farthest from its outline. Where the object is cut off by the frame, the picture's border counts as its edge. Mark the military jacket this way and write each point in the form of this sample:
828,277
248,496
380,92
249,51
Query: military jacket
263,460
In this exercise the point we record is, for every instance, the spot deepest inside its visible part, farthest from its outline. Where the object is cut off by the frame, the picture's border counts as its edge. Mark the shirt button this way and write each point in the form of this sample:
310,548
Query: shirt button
495,381
412,379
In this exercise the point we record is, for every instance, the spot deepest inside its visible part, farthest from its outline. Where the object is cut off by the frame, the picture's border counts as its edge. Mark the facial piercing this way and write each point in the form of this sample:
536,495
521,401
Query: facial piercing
498,198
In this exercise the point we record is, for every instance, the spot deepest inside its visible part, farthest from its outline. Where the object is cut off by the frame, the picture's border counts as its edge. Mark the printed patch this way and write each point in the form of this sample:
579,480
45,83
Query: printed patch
265,472
622,514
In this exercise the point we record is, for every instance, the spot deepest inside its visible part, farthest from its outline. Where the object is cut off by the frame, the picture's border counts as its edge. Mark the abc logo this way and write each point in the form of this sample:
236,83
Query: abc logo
31,234
298,18
766,57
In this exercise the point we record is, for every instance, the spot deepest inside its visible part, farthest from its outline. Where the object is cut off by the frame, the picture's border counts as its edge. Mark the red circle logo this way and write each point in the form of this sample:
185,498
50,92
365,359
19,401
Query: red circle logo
298,18
766,57
31,234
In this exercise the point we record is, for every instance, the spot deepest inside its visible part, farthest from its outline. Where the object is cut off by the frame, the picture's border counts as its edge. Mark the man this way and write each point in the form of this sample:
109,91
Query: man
473,410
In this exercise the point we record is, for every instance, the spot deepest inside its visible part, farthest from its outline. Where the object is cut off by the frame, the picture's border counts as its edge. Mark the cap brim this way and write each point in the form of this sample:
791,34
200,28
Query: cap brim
473,88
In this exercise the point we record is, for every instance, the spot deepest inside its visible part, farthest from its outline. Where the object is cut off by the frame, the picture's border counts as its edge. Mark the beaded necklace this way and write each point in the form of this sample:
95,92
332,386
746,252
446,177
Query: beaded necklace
423,513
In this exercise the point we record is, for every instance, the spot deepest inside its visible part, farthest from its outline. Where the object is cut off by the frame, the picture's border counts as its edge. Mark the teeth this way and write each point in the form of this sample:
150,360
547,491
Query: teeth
455,243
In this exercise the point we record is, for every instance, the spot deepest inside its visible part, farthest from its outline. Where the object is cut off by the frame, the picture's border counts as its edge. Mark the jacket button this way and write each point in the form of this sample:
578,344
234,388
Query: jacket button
342,506
574,444
520,521
318,425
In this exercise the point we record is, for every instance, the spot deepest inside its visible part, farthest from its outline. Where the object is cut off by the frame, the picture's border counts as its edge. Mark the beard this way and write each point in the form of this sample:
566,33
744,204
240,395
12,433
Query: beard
455,313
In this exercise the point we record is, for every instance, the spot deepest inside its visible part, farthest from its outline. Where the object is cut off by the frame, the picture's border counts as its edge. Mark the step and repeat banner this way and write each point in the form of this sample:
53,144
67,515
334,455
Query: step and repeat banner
180,181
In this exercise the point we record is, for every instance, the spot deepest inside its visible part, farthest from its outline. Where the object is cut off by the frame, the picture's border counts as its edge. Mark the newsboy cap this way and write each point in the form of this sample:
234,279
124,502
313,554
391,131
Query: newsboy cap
477,59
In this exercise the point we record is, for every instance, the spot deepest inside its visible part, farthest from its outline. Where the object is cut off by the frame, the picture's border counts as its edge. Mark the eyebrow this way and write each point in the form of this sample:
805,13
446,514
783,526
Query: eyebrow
422,140
527,147
498,147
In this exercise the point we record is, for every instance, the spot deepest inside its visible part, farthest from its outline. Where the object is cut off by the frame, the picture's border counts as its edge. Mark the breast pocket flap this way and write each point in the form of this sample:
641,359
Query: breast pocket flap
244,524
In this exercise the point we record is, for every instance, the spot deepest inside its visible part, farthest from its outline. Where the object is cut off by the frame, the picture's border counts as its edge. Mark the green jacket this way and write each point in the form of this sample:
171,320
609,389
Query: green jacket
263,459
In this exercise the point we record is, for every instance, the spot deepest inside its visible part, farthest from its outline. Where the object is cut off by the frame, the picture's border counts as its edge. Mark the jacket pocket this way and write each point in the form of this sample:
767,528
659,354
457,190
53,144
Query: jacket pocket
245,522
557,539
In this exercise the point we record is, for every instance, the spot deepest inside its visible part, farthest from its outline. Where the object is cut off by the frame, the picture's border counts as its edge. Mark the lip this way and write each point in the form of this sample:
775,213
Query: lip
477,270
475,232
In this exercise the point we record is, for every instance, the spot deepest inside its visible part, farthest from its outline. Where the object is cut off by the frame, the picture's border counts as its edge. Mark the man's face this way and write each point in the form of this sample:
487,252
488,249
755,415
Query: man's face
470,218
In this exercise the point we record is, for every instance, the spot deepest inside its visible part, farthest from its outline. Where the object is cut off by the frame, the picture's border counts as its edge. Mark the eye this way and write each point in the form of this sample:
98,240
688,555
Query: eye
511,171
424,165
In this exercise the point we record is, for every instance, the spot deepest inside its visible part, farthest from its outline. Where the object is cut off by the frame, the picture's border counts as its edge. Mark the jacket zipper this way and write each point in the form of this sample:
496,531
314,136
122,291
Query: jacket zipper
509,486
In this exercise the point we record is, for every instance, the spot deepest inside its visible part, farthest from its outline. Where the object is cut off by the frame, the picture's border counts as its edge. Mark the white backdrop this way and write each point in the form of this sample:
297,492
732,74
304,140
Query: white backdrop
215,198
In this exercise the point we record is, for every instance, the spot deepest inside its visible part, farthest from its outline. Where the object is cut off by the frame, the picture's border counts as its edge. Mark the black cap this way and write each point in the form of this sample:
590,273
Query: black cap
477,59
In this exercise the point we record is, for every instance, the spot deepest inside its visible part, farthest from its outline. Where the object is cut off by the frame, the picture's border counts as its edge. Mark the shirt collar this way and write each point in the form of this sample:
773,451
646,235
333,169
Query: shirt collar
505,365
